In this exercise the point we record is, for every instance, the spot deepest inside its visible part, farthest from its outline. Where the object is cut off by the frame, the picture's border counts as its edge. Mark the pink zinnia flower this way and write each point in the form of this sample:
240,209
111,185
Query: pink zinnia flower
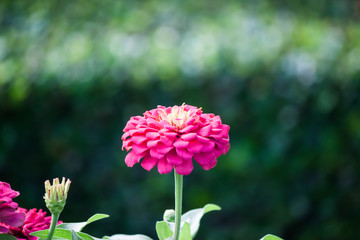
172,136
8,215
35,220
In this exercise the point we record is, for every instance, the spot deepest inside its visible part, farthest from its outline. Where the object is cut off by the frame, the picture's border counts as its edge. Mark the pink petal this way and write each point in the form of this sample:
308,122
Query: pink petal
204,158
155,154
149,162
153,123
180,143
188,136
125,135
138,139
152,135
210,165
205,131
202,140
4,229
188,129
217,130
139,149
171,135
166,141
183,153
194,147
173,158
164,167
209,147
13,219
163,149
132,158
169,127
190,121
185,168
152,143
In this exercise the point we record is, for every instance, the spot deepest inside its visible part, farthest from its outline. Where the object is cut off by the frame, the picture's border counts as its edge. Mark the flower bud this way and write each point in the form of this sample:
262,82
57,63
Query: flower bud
169,215
56,194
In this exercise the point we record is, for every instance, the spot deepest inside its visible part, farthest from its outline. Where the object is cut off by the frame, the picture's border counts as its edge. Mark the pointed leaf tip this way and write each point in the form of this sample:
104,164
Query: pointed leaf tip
163,231
185,233
271,237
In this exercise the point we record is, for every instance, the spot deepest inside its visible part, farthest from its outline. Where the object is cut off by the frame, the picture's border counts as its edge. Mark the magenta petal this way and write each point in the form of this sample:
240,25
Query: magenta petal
188,129
152,143
180,143
13,219
210,165
171,135
164,167
4,229
205,131
209,147
173,158
166,141
183,153
188,136
194,147
132,158
149,162
138,139
185,168
204,158
155,154
139,149
153,123
202,140
152,135
163,149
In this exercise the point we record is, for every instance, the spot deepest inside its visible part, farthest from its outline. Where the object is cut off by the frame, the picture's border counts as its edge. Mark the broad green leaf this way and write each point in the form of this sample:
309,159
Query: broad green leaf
127,237
85,236
58,234
194,216
163,231
271,237
185,233
77,227
7,237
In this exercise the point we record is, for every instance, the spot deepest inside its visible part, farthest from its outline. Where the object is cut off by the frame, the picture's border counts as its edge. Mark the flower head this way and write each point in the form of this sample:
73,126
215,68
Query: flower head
56,194
171,137
35,220
8,215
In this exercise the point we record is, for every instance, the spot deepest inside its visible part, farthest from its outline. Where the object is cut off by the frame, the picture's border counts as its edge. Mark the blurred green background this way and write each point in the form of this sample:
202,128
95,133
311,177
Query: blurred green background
285,75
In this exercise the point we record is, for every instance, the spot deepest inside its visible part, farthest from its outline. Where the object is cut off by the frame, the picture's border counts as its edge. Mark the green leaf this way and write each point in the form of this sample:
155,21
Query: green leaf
193,217
77,227
58,234
85,236
185,233
74,236
127,237
7,237
271,237
163,231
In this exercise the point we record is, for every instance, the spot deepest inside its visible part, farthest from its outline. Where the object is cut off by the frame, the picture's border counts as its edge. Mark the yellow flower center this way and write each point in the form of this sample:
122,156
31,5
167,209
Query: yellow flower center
177,117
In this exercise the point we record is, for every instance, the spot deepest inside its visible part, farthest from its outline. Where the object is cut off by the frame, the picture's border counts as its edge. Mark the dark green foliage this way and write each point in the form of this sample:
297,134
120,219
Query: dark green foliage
285,76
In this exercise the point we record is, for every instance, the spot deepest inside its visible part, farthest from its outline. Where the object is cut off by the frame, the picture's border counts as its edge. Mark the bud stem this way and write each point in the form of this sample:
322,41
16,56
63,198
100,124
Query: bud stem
178,203
54,220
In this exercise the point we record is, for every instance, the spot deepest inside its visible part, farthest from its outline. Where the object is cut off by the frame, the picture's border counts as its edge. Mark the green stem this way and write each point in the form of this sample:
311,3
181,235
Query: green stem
54,220
178,203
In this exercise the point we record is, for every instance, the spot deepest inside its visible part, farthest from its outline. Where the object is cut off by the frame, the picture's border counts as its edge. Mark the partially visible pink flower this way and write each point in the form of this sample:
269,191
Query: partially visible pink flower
170,137
8,215
35,220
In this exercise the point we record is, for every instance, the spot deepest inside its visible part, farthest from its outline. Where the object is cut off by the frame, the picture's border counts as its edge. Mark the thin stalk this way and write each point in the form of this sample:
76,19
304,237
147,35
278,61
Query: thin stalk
178,203
54,220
